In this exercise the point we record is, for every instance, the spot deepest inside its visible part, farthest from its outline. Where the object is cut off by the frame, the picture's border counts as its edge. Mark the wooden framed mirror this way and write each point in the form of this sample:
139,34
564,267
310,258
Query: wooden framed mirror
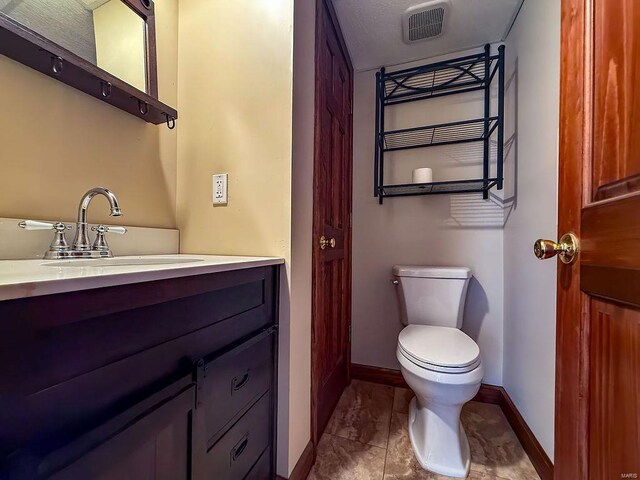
106,48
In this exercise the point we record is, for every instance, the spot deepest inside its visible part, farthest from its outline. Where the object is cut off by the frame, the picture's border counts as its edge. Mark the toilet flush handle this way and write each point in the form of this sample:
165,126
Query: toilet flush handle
395,282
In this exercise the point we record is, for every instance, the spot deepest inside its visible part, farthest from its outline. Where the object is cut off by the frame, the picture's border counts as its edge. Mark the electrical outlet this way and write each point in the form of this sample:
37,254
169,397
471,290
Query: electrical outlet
220,189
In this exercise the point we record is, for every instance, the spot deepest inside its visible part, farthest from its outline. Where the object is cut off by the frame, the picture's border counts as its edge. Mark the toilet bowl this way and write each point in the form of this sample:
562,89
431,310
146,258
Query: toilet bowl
439,362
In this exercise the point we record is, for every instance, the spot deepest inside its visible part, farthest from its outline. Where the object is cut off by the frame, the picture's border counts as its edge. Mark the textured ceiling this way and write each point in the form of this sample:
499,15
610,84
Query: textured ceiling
92,4
373,29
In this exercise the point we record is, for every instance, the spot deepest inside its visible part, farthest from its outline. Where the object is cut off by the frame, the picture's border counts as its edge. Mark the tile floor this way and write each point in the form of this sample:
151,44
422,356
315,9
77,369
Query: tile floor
367,439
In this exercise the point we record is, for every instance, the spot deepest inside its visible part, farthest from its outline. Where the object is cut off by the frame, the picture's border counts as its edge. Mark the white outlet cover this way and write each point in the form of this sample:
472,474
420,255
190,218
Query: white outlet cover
220,192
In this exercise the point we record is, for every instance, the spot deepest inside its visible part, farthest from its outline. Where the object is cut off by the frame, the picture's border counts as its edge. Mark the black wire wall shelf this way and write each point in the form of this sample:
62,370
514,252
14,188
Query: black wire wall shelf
452,77
462,75
479,185
464,131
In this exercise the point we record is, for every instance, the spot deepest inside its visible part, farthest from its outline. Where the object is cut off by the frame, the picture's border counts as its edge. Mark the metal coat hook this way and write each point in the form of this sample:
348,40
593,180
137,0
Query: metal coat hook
57,65
143,107
171,122
106,89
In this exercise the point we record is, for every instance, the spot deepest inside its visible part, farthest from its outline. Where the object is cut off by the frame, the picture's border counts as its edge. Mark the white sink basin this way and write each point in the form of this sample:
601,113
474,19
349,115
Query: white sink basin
120,261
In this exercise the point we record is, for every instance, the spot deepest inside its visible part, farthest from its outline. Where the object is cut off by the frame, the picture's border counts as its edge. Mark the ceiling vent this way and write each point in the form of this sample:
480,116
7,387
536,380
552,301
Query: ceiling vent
425,21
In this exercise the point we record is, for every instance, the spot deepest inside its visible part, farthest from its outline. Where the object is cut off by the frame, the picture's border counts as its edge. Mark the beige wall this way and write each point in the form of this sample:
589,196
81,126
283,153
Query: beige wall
457,230
235,99
235,116
235,103
57,142
120,42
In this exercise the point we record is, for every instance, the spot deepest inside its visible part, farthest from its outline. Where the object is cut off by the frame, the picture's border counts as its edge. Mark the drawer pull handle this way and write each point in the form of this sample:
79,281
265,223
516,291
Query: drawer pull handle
239,383
239,448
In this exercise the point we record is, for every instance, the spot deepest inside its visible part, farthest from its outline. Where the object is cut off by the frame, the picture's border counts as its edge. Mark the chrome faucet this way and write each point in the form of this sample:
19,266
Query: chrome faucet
81,241
81,248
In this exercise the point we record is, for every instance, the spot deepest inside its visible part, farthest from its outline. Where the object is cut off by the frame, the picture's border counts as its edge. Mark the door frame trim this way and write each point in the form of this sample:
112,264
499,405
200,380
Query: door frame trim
572,328
328,5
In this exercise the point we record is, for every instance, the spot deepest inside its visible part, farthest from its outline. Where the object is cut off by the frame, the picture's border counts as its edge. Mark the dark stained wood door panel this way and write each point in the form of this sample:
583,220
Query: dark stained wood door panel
614,417
598,331
616,94
331,344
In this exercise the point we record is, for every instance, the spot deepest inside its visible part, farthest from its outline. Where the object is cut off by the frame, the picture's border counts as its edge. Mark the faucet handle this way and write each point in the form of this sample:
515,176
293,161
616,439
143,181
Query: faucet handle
59,242
101,243
102,229
118,230
36,225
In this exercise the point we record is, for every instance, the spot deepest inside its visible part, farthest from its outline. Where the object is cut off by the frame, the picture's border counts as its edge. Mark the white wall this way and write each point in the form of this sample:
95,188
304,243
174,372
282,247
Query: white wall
533,48
439,230
297,423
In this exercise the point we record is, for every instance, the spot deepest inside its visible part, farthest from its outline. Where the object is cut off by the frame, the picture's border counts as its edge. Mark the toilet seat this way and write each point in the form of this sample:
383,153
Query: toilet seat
439,349
437,368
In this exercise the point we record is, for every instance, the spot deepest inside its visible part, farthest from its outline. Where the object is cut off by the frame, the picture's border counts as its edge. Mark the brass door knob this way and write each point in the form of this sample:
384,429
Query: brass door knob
567,248
327,242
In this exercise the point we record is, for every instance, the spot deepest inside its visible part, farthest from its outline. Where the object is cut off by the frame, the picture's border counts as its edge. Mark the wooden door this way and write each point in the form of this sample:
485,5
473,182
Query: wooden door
331,346
598,331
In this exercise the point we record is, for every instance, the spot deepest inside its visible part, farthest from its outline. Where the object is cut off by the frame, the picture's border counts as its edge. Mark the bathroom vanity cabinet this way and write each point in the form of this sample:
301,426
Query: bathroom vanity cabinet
170,379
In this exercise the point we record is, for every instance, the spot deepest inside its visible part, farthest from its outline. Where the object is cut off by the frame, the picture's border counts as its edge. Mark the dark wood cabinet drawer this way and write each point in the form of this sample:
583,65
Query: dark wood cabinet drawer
233,456
234,381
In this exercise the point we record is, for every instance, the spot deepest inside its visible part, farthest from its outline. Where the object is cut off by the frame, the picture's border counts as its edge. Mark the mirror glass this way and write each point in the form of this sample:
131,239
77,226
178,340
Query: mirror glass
106,33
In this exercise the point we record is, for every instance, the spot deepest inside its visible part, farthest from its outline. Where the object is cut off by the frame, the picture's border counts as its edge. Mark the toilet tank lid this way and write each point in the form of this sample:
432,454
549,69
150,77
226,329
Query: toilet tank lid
431,272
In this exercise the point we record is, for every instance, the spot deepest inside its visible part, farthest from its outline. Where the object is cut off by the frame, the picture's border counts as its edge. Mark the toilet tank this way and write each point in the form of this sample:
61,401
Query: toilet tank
432,295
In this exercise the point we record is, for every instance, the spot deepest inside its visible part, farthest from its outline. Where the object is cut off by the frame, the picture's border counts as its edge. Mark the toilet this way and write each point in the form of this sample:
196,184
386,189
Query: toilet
439,362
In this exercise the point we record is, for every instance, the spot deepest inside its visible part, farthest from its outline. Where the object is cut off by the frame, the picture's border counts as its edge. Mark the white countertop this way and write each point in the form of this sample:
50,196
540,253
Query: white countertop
31,278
